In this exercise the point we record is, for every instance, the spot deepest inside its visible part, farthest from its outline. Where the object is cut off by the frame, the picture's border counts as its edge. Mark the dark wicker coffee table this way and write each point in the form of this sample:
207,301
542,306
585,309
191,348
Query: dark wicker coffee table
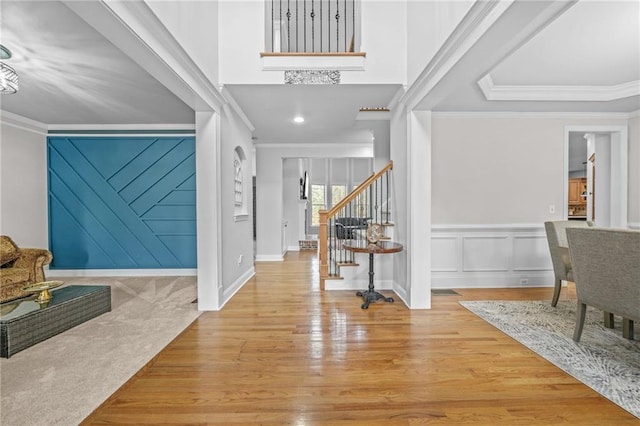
25,322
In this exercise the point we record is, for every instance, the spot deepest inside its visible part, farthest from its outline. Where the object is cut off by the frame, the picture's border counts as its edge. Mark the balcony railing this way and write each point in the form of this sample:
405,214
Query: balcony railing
312,26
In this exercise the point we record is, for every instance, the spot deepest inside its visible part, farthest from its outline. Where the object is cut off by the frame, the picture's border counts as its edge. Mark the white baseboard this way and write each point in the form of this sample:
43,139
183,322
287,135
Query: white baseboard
492,280
634,225
121,272
237,285
293,248
401,292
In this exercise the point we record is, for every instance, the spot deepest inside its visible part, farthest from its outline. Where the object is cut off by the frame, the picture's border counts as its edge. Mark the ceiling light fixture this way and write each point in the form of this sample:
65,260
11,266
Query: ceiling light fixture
8,76
299,119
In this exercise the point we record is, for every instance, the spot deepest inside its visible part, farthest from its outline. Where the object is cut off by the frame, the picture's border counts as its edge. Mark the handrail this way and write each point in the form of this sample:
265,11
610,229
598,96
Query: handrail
326,215
358,190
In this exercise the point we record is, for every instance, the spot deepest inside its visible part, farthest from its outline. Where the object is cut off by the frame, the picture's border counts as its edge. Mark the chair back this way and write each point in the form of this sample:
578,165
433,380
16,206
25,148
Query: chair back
559,247
606,268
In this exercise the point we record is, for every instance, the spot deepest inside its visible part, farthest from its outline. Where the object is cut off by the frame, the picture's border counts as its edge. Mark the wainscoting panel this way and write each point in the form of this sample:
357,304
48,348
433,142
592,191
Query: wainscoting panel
444,253
531,253
485,253
480,256
122,202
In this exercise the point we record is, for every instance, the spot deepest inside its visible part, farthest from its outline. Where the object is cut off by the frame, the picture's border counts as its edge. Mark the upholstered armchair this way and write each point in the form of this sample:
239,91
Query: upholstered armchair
606,268
19,267
559,249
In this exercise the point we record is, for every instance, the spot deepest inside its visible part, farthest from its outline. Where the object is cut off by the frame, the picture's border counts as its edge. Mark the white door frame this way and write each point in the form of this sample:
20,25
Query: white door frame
619,172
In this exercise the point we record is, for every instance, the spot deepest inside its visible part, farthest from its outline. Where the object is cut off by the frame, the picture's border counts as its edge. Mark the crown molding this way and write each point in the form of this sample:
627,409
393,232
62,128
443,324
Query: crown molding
634,114
396,99
476,35
23,123
121,127
473,26
533,115
234,105
496,92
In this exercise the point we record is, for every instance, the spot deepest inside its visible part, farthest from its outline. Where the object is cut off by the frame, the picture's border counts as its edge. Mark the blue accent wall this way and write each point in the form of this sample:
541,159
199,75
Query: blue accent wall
122,202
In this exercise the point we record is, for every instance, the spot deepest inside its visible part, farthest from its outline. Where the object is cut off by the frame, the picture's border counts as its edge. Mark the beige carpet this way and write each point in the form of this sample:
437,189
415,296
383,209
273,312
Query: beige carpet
62,380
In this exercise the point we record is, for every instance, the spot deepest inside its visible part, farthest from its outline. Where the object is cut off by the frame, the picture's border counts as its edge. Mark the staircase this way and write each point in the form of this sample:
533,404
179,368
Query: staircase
349,219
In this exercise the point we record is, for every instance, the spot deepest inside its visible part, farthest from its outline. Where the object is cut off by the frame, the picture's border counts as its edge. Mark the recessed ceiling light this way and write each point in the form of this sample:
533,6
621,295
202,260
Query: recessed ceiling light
299,119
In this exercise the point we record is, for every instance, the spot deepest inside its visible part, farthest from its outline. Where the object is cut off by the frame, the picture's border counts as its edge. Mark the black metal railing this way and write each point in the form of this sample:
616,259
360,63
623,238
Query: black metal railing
312,26
349,219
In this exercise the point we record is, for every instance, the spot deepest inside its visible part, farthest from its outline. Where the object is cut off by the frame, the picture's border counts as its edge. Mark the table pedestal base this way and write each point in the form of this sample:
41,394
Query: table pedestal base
372,296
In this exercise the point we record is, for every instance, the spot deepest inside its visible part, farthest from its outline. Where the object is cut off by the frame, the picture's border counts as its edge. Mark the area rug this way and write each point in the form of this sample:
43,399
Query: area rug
62,380
602,360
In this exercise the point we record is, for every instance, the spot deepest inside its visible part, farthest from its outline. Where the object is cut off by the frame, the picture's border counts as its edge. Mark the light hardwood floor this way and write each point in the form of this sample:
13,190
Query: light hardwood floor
283,352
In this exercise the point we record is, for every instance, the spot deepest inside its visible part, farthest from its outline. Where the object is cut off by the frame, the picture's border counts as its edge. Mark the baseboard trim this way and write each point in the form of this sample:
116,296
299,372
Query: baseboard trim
237,285
121,272
491,280
402,293
634,225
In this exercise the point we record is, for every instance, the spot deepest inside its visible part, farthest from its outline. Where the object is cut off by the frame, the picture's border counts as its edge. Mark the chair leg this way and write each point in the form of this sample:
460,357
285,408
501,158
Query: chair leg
609,321
580,315
627,328
556,292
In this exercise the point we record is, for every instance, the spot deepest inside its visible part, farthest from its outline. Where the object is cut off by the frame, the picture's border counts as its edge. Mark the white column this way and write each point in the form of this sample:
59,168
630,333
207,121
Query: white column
419,209
208,210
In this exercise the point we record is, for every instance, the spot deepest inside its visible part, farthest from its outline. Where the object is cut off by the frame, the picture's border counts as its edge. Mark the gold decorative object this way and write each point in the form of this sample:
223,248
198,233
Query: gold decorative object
43,290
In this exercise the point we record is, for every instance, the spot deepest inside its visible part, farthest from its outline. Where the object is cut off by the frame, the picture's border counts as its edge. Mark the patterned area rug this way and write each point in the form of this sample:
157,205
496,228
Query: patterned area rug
602,360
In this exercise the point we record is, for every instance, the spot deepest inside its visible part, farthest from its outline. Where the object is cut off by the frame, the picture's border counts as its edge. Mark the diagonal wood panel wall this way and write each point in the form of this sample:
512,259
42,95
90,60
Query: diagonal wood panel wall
122,202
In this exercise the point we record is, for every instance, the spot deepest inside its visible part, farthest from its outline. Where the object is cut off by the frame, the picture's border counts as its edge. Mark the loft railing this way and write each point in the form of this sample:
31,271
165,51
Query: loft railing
312,26
349,219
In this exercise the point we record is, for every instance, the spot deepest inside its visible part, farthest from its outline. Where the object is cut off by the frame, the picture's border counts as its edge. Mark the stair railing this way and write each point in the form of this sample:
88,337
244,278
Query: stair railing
348,220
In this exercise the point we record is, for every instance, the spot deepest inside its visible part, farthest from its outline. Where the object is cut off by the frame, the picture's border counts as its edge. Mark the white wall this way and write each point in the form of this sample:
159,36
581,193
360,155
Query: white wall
269,188
23,186
429,23
194,26
499,170
291,201
237,234
400,194
384,39
493,182
242,35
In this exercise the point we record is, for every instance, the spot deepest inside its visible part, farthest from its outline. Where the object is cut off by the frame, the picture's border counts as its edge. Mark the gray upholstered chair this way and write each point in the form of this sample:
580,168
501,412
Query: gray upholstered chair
559,249
606,268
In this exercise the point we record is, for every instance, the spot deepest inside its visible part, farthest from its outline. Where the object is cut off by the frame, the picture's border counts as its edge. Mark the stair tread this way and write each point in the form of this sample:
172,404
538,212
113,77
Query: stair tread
347,264
333,277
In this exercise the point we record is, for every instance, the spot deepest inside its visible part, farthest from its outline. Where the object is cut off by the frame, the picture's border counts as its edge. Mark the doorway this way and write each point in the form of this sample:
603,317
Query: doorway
609,145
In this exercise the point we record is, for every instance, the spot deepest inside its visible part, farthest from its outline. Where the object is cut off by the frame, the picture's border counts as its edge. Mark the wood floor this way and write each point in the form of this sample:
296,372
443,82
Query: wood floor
282,352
